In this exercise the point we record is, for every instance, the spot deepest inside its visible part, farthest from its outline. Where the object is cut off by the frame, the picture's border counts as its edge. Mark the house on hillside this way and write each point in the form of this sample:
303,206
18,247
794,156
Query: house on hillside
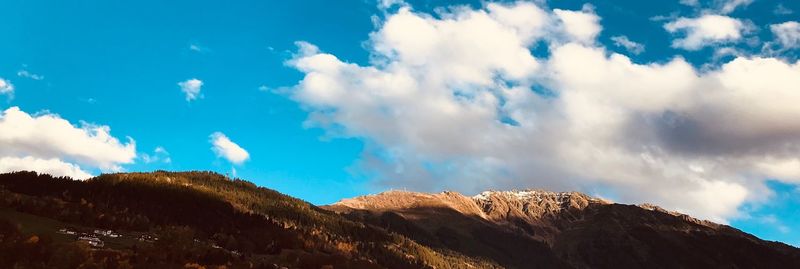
106,233
92,240
68,231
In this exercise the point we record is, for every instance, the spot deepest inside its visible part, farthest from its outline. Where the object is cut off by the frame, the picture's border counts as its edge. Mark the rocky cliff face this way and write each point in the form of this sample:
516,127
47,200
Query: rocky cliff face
541,229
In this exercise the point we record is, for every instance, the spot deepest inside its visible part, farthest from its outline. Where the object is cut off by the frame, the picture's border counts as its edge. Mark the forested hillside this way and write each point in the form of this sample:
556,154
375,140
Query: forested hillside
191,219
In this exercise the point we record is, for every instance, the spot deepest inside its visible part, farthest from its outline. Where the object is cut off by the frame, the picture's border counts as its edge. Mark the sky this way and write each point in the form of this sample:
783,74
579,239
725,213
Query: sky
690,105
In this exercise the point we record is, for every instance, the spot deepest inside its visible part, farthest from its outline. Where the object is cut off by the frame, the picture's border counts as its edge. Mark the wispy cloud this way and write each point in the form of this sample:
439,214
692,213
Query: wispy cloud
728,6
159,155
28,74
198,48
6,87
780,9
623,41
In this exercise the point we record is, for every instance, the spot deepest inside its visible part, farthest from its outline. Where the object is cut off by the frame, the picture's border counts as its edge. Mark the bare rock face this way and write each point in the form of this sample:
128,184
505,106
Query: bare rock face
539,214
542,229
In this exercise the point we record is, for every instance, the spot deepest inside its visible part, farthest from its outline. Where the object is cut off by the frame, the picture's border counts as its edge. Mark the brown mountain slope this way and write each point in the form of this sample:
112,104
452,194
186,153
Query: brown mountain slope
540,229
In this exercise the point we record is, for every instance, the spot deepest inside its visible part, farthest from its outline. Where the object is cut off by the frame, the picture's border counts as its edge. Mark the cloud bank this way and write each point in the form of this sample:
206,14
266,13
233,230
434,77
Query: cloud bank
45,142
458,101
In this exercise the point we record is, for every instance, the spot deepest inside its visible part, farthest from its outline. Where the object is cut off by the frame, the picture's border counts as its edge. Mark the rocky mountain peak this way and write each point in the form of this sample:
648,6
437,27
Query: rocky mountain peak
531,204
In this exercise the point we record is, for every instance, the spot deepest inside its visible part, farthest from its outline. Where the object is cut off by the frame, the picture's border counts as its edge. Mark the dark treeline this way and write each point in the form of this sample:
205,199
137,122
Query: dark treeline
201,219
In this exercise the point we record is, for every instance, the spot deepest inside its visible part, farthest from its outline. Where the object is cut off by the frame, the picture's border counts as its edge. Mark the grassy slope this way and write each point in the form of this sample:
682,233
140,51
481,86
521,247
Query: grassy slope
32,224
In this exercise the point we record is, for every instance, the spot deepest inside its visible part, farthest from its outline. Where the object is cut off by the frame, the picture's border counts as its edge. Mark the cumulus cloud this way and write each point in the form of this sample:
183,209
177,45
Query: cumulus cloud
47,143
6,87
191,88
225,148
705,30
787,34
631,46
459,102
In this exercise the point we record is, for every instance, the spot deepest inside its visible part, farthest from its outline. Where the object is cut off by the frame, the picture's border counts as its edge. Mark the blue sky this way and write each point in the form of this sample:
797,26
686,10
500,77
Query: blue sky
118,64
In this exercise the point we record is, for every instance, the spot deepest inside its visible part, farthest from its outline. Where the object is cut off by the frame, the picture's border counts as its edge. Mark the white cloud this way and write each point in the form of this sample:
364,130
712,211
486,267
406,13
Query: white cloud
728,6
631,46
225,148
28,74
705,31
6,87
54,167
191,88
46,140
787,34
447,103
159,155
582,26
691,3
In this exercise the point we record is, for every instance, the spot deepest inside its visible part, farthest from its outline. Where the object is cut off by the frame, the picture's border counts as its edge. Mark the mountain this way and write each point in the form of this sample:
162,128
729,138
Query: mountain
206,220
541,229
189,220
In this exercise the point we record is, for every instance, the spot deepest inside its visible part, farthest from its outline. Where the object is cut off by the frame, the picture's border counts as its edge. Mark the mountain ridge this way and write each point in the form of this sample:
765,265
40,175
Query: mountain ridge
205,220
484,200
566,226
